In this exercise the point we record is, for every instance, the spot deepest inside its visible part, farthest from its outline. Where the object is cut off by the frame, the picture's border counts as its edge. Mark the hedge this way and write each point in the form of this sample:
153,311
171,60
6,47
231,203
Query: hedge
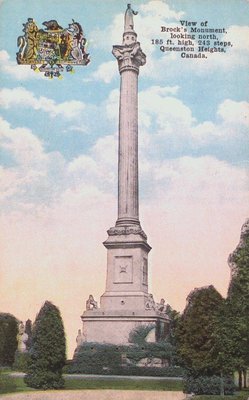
208,385
95,358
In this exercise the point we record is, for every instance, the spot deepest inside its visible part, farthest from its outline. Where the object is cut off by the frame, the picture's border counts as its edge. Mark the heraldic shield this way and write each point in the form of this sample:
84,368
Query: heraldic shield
47,50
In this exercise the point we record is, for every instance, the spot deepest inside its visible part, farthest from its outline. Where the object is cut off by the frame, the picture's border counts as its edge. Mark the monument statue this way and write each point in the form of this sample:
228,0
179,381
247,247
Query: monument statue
129,25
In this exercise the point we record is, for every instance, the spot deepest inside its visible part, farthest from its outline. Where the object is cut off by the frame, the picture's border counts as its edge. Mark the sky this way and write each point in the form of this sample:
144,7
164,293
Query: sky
58,151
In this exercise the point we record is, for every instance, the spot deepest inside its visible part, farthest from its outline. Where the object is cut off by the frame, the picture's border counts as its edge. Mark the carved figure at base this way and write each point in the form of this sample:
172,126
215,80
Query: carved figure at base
22,338
162,307
91,303
79,339
150,303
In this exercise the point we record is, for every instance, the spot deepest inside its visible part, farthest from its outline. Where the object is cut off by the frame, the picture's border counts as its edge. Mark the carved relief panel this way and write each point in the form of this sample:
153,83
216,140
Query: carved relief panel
123,267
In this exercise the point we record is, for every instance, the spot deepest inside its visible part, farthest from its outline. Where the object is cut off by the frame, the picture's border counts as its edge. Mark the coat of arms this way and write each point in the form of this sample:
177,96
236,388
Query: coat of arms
47,50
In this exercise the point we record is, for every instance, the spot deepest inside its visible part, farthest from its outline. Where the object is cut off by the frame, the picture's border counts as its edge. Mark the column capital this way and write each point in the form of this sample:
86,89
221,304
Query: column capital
130,57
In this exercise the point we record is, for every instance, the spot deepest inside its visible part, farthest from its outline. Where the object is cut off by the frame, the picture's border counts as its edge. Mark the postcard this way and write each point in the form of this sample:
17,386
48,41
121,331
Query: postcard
122,124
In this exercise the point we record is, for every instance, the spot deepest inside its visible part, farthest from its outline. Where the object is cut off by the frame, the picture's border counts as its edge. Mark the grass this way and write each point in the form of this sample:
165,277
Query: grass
123,384
9,384
243,395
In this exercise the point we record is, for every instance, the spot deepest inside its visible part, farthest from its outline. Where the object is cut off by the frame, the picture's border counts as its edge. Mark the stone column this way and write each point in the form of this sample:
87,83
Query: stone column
128,212
130,57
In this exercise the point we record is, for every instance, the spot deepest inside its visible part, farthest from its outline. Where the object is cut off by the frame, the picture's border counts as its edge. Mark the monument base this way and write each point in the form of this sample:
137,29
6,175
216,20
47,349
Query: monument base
115,326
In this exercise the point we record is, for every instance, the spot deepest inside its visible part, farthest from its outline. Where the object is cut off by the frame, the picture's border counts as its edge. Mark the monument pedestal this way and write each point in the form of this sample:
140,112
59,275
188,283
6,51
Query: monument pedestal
114,327
126,303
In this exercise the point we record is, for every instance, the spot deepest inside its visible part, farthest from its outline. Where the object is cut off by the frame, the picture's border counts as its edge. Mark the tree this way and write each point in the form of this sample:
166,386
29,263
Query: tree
47,350
194,331
238,302
222,352
204,343
8,338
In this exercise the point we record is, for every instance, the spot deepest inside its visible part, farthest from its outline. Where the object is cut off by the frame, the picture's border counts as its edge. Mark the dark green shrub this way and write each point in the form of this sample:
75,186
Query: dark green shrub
163,350
22,361
47,350
44,379
208,385
139,334
95,358
8,339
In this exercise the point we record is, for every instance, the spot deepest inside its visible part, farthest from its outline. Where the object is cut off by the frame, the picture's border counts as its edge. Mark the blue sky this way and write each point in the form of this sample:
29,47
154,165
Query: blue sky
58,148
202,91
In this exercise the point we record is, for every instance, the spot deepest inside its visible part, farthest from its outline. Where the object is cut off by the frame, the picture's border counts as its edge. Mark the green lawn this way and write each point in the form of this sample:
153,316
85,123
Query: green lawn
244,395
10,384
123,384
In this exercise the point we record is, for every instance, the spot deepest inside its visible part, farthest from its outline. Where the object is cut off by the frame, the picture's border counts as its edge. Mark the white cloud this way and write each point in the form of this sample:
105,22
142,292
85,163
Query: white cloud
24,145
159,9
234,112
97,166
30,160
106,72
206,132
22,97
204,179
167,118
169,111
76,128
166,124
19,72
112,105
235,56
239,37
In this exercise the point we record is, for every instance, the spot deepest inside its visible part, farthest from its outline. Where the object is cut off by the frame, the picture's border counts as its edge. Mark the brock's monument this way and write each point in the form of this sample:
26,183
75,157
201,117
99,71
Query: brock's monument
126,302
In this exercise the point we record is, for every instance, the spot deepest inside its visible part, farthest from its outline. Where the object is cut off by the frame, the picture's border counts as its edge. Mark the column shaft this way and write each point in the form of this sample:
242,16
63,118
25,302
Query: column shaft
128,212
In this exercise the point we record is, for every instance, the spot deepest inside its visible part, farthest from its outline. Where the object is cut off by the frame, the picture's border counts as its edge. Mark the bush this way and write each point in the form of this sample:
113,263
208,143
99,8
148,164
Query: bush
139,334
163,350
95,358
44,379
22,361
208,385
